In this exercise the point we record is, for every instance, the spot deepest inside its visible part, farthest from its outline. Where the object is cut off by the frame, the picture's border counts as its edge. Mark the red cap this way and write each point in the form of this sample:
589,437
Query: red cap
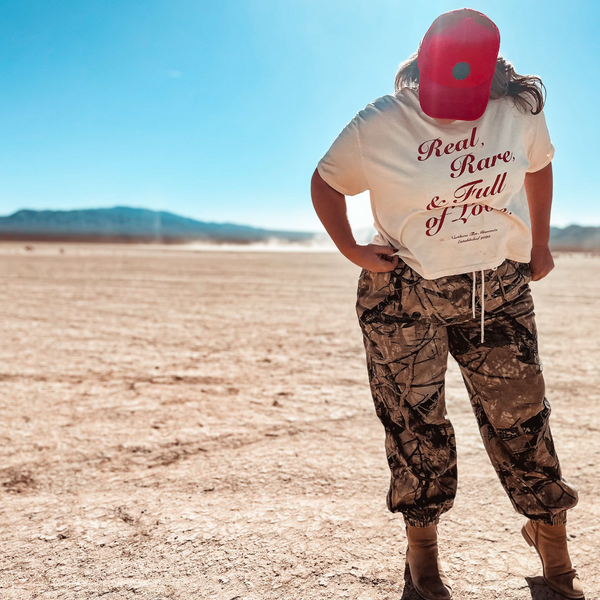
457,62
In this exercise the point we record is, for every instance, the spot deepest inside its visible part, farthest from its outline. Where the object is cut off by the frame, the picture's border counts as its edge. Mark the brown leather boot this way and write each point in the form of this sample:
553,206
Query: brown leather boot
423,560
550,541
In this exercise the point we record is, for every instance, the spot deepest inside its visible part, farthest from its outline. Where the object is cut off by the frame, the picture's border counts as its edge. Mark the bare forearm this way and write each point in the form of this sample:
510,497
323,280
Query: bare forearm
330,207
538,187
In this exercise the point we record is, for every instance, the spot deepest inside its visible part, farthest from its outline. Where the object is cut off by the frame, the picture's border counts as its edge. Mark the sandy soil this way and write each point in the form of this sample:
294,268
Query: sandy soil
186,425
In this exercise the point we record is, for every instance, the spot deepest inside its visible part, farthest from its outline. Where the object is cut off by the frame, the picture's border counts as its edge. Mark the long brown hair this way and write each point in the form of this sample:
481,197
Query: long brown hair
525,90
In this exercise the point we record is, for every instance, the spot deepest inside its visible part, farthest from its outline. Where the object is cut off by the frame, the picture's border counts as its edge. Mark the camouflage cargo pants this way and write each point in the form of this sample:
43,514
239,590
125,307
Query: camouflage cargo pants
409,325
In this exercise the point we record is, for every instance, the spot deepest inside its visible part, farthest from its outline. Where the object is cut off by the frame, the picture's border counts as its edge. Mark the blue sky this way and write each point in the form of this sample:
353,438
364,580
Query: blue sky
220,110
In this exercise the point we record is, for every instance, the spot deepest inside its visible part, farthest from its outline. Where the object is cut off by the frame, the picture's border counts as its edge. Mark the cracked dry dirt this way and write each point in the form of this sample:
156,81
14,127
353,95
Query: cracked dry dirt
185,425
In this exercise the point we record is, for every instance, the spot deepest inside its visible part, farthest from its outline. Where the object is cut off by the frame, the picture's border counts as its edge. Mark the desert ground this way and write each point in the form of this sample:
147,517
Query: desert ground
192,424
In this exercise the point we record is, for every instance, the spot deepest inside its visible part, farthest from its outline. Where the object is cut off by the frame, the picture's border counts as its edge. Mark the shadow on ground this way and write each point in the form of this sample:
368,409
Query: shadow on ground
537,587
540,591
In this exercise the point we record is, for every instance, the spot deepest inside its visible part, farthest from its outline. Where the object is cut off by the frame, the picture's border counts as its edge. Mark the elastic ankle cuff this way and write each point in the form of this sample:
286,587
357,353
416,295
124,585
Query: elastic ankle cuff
557,519
421,522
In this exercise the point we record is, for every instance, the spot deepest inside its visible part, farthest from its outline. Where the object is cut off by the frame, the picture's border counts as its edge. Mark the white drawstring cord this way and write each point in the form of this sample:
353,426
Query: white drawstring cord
482,301
473,297
482,298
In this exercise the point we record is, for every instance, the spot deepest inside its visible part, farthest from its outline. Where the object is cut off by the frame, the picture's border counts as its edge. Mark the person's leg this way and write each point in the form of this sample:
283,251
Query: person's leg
407,356
504,379
503,376
406,362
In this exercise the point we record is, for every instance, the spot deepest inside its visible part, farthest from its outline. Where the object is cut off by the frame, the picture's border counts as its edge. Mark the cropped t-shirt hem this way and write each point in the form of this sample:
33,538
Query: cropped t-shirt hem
468,268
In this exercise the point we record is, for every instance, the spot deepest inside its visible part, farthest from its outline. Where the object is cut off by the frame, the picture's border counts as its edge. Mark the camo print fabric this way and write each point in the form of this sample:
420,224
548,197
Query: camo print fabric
409,325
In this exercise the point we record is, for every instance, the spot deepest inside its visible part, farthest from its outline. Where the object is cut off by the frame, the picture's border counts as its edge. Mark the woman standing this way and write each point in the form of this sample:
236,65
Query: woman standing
458,164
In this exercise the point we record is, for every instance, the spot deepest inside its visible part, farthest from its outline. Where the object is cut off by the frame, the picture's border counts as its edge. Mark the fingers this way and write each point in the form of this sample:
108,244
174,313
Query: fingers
388,265
384,249
537,275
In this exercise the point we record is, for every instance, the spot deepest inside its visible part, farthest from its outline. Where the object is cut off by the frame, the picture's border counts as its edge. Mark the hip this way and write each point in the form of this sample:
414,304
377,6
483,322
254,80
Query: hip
403,294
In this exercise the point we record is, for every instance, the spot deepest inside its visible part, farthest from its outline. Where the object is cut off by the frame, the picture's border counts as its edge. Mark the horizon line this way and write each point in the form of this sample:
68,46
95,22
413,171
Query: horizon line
267,228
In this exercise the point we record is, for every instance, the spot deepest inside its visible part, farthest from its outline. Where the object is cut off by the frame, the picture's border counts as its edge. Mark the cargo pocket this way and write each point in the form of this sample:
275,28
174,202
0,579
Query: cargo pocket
374,292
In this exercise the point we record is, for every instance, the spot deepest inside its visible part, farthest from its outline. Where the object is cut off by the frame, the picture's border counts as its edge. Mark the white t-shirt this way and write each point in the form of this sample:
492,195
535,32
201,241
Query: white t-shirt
450,197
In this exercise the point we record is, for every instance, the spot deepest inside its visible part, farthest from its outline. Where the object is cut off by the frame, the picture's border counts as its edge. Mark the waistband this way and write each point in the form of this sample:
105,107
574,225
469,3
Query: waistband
504,283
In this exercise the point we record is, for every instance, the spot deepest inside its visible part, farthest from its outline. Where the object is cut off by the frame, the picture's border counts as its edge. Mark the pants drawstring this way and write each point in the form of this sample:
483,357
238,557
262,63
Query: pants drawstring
482,298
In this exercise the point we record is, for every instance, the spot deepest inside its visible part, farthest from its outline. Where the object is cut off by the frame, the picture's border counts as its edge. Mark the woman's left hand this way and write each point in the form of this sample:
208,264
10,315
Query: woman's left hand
541,262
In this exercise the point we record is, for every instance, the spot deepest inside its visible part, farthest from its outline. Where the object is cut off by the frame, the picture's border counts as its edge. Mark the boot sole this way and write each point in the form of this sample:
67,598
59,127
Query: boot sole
532,544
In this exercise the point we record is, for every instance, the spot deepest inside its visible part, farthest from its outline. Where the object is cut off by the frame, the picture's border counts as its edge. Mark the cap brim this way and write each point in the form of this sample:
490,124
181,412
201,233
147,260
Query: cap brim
443,102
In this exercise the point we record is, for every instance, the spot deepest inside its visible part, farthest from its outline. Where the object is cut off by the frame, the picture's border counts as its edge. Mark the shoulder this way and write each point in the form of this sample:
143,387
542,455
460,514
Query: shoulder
387,106
512,116
521,111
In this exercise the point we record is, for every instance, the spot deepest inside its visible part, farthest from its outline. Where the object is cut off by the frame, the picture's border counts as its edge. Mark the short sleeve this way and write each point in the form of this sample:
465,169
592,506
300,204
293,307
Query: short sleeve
342,166
540,148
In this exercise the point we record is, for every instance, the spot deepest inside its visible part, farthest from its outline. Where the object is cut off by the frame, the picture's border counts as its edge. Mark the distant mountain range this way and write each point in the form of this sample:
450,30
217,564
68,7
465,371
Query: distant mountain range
575,237
125,224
